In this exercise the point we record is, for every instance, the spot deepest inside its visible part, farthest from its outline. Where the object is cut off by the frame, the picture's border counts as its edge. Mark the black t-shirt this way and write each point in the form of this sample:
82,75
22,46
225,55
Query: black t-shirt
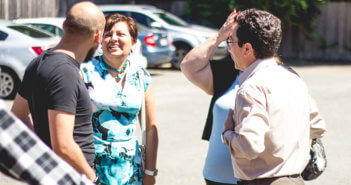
224,74
52,81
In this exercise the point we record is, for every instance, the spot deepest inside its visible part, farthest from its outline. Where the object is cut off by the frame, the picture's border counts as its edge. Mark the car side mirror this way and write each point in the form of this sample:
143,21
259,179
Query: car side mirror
156,25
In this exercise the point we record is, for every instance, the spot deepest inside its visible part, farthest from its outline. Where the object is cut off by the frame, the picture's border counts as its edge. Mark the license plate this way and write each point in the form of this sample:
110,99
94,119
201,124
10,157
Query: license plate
163,42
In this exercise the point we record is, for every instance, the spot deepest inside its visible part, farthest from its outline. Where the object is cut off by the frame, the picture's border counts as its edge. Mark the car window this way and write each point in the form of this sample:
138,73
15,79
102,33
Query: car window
142,19
142,28
30,31
3,35
171,19
139,18
106,13
50,28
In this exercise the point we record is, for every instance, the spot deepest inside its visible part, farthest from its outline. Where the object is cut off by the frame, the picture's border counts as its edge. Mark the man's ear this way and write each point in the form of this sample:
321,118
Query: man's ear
247,49
98,36
249,52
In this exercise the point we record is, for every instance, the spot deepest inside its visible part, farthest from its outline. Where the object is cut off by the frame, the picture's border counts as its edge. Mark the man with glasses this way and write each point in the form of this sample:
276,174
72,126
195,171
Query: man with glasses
274,118
274,115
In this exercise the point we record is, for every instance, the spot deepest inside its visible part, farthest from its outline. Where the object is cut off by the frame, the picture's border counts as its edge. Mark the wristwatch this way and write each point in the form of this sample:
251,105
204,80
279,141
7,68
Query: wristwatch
151,172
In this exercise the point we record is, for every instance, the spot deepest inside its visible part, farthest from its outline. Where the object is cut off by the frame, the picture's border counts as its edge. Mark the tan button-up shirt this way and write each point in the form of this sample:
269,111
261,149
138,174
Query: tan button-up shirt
275,118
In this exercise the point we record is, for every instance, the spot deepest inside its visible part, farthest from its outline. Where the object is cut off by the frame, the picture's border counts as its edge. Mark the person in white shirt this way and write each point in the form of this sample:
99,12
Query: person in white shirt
269,132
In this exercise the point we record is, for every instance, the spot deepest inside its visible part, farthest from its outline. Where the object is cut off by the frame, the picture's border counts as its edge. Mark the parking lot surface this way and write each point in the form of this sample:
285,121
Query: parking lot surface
181,111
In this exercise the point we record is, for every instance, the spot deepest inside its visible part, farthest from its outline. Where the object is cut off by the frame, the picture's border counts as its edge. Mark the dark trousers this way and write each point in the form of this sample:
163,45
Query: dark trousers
284,180
208,182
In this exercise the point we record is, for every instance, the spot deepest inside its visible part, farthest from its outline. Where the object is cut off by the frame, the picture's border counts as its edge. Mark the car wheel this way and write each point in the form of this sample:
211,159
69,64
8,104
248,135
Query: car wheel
9,83
181,51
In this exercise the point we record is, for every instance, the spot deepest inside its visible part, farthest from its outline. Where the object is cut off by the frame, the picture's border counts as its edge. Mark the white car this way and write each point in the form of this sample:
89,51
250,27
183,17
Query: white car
50,24
185,36
19,44
54,25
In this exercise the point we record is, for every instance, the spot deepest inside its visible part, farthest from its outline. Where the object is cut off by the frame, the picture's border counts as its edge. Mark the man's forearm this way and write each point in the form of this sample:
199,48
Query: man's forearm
74,156
61,125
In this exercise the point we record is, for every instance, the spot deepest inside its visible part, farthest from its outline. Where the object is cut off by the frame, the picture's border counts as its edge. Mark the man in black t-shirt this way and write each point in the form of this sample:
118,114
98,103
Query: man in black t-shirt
54,93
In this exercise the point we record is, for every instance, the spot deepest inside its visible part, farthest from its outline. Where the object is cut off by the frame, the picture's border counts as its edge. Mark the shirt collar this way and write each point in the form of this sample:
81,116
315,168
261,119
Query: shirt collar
255,66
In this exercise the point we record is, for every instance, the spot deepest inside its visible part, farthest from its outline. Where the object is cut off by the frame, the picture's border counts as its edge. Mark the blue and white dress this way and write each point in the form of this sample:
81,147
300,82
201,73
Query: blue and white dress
117,158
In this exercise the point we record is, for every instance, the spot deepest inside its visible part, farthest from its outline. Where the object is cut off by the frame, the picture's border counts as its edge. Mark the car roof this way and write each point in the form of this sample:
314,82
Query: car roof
4,26
57,21
4,23
113,7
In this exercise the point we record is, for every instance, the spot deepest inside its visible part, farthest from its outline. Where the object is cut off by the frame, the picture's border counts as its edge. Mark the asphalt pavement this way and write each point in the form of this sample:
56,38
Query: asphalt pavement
181,111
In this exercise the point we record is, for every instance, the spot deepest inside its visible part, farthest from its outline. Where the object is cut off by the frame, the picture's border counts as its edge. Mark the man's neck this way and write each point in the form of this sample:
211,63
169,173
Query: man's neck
249,62
73,48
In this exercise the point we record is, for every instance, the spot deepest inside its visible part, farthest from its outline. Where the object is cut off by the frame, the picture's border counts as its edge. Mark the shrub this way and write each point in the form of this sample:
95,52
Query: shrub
295,13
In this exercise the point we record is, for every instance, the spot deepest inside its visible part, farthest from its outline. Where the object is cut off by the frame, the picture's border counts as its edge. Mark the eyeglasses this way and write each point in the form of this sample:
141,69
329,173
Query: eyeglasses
230,42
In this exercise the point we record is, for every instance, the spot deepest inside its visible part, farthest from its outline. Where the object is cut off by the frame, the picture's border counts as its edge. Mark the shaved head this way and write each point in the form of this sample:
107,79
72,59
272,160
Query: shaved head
84,18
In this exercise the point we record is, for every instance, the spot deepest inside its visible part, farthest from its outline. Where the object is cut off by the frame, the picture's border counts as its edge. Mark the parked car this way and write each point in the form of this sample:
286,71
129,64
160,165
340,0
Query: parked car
50,24
55,26
19,44
157,45
153,44
185,36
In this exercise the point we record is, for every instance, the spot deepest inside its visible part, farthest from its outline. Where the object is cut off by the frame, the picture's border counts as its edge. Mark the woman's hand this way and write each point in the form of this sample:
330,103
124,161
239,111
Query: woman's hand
149,180
227,27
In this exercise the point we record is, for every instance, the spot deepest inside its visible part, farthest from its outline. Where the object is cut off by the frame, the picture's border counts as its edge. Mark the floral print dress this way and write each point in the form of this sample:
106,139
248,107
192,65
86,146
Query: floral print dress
115,110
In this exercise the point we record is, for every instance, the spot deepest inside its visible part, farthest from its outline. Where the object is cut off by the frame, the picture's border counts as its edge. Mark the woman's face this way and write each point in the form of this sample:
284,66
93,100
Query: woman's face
117,42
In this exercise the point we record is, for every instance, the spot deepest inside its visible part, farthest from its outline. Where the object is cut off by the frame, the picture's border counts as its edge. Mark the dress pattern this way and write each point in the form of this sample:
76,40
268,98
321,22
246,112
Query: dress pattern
115,110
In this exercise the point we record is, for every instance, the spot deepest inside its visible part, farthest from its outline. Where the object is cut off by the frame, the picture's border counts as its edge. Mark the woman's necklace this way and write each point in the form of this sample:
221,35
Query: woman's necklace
118,71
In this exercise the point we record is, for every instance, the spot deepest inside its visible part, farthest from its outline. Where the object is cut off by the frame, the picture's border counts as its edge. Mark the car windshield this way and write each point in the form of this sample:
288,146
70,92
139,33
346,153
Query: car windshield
141,27
30,31
171,19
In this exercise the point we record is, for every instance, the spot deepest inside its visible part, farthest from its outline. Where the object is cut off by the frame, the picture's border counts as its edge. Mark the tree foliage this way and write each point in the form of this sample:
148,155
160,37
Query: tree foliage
295,13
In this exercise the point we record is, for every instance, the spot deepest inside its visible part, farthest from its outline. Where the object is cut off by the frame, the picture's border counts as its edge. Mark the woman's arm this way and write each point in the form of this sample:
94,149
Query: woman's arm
151,135
196,66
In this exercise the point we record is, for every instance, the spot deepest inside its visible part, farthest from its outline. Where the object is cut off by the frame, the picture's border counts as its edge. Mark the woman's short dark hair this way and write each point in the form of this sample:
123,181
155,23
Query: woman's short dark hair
261,29
112,19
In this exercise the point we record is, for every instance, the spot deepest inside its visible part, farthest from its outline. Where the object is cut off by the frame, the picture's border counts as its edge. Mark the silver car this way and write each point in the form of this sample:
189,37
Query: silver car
19,44
185,36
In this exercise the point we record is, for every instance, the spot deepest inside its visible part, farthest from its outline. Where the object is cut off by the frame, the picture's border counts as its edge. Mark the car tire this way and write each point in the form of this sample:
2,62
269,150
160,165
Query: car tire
181,51
9,83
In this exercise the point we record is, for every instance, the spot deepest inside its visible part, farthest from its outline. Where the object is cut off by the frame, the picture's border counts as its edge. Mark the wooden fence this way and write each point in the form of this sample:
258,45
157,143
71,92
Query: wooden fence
332,39
12,9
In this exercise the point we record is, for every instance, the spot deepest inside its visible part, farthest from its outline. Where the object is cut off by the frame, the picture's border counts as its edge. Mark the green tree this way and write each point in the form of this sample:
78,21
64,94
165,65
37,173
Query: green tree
295,13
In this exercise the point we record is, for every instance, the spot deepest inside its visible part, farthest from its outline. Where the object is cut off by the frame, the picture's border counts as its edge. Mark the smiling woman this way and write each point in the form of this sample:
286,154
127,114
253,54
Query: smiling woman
117,44
117,86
